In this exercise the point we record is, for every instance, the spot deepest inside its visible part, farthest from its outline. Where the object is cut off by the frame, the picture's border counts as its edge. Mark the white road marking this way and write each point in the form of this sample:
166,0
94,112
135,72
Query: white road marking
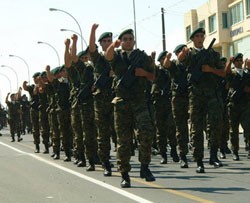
92,180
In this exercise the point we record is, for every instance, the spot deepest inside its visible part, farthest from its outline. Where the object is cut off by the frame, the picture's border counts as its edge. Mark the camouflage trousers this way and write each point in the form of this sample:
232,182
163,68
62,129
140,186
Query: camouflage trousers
15,126
180,114
54,130
34,115
63,117
83,124
104,120
127,115
165,126
44,126
204,104
238,114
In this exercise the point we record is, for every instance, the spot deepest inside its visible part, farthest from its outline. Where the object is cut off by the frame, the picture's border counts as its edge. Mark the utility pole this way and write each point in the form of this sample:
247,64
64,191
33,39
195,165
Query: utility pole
135,24
163,30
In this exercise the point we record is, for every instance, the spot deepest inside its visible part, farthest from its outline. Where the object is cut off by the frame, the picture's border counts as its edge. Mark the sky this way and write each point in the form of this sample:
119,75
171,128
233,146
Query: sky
25,22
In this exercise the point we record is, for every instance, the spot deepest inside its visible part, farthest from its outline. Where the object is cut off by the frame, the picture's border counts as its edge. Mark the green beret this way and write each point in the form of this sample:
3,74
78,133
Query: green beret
82,53
128,31
198,30
238,56
105,35
61,68
179,47
162,54
36,74
223,59
56,70
43,74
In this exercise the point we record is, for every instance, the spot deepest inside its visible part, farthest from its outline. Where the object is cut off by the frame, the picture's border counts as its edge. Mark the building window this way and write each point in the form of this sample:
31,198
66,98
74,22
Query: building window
202,24
224,20
212,23
188,32
248,6
236,13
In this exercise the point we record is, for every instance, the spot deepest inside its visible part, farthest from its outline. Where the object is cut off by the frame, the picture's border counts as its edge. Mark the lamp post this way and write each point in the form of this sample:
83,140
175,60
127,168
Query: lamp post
7,79
13,71
63,30
135,24
39,42
55,9
11,55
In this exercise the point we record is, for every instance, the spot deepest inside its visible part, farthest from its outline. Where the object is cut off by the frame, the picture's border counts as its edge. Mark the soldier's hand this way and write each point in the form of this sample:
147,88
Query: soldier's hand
247,89
206,68
231,59
167,61
140,72
247,63
95,26
47,68
25,82
67,42
183,53
111,73
117,43
74,37
153,54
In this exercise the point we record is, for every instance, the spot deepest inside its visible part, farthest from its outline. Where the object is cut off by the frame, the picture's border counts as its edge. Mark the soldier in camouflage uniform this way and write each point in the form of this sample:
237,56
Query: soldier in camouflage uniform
203,99
14,115
179,87
130,104
52,114
43,106
239,102
25,115
165,125
102,97
34,111
84,70
76,120
58,79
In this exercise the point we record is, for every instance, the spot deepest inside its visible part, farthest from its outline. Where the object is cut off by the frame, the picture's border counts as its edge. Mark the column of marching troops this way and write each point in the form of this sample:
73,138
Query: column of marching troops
118,92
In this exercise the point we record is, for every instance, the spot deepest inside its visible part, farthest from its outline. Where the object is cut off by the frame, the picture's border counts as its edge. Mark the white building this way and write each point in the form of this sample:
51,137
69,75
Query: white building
226,20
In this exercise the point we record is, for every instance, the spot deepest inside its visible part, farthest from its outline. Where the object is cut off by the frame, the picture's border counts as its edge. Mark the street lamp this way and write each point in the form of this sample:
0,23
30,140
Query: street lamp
55,9
39,42
7,79
13,71
63,30
25,64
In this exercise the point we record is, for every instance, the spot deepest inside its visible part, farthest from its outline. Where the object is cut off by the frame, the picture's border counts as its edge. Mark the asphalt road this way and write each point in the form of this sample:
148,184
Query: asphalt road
37,178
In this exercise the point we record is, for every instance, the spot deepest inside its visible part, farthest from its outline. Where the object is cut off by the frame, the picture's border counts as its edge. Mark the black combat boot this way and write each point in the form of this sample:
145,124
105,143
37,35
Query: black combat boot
13,139
174,154
164,159
107,168
200,166
81,160
236,155
46,151
222,153
184,162
91,165
76,158
213,158
125,180
57,155
37,150
19,139
146,173
67,155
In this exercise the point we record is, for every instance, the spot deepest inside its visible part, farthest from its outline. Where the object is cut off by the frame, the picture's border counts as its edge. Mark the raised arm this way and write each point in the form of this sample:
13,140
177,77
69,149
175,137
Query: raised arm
92,38
49,75
74,57
109,54
67,56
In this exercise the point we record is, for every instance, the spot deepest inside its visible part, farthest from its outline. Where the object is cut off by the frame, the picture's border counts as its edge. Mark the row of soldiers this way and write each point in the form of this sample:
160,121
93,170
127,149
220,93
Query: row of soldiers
83,104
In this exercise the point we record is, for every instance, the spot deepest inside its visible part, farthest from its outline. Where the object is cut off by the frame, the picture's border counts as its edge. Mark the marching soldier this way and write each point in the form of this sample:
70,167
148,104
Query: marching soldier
239,102
203,66
165,125
102,97
130,103
180,104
